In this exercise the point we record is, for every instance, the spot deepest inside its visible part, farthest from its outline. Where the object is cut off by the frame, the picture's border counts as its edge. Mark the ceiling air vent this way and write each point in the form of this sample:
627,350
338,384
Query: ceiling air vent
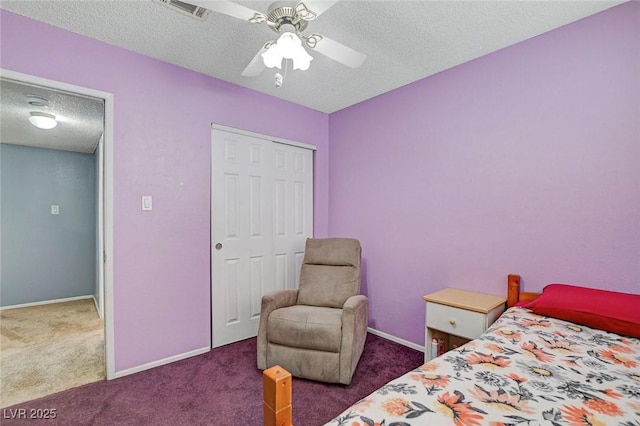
197,12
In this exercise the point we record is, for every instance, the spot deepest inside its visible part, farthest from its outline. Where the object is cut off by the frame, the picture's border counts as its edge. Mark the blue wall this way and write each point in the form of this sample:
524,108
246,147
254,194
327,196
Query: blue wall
43,256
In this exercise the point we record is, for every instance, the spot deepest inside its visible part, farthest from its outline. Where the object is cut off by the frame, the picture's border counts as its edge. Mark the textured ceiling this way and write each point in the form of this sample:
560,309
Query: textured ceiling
80,119
405,40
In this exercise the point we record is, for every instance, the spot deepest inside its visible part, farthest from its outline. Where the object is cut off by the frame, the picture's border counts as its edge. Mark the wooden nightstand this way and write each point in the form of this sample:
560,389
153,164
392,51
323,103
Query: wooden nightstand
457,316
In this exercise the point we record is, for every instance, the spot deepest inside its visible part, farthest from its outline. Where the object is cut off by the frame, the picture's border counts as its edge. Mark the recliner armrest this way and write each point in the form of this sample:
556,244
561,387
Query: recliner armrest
355,312
270,302
356,302
355,318
278,299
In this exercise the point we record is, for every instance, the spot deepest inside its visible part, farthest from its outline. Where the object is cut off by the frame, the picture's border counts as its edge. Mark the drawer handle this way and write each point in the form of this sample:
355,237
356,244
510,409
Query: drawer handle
452,321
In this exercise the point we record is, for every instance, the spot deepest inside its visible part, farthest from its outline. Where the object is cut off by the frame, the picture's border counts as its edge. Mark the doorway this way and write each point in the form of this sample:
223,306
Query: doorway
104,208
261,216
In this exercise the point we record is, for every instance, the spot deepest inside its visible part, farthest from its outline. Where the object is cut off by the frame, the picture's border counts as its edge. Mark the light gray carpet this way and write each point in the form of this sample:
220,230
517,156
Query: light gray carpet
49,348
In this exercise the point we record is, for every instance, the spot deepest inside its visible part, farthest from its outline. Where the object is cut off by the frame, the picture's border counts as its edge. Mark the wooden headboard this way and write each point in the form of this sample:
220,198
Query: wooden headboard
514,295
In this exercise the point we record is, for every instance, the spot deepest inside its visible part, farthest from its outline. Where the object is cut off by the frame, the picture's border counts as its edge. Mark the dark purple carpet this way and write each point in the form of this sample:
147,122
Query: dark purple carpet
221,387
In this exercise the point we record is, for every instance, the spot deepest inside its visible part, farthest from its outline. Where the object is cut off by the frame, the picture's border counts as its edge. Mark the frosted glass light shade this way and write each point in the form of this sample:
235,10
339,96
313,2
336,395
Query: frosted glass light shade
42,120
272,58
288,46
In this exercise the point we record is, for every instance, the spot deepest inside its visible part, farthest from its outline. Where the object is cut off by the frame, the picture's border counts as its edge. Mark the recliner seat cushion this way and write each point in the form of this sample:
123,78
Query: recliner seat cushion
307,327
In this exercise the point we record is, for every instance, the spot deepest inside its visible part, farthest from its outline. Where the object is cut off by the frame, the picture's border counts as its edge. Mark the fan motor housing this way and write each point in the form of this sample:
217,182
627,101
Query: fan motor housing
282,13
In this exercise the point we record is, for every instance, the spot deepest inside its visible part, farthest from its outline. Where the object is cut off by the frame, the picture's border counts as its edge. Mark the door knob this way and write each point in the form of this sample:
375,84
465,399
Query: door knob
218,246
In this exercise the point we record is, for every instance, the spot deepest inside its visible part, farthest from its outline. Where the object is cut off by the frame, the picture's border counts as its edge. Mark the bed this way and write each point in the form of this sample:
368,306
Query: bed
526,369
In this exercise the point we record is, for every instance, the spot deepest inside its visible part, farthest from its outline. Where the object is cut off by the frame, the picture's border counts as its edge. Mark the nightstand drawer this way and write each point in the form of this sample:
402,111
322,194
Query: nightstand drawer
456,321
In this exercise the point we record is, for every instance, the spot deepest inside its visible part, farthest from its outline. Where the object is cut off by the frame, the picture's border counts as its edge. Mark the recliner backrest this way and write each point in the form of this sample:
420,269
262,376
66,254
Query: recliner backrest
330,272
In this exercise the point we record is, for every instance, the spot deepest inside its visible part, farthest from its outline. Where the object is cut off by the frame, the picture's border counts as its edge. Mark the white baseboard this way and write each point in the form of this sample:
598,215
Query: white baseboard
160,362
47,302
396,339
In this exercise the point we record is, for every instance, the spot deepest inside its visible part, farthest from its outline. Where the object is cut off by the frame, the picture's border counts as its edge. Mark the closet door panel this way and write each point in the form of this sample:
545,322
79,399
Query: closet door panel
261,216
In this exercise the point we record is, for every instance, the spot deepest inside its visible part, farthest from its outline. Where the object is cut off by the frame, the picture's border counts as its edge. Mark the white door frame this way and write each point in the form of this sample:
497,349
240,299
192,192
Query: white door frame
261,136
107,295
100,252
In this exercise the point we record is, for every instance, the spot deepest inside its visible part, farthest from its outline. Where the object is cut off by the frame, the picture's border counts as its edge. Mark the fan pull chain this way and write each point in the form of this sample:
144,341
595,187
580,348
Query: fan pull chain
279,78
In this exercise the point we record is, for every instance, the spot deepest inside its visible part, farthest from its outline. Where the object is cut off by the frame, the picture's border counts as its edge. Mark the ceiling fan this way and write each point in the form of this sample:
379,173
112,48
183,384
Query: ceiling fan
289,20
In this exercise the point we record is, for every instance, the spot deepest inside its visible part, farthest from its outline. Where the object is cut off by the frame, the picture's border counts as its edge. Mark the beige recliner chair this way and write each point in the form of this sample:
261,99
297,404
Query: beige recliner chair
318,331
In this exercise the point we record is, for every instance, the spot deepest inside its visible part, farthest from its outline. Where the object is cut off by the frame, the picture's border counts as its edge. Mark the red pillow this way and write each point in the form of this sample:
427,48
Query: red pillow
602,309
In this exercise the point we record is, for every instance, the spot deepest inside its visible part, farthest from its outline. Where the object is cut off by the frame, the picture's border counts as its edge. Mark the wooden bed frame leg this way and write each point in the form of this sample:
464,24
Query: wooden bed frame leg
276,387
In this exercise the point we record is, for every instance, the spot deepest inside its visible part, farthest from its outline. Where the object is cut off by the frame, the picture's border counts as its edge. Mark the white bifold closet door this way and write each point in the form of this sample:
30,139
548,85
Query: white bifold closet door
261,215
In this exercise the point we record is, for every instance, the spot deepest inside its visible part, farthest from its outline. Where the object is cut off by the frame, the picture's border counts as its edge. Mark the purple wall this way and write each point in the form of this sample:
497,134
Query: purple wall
161,147
523,161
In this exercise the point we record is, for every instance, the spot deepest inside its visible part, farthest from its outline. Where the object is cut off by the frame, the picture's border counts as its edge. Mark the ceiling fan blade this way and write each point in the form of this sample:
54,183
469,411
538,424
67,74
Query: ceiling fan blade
336,51
256,66
311,9
231,9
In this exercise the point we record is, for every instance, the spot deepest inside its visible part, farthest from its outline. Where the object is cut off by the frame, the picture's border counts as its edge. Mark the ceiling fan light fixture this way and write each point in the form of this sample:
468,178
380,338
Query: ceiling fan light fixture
272,58
302,62
288,46
42,120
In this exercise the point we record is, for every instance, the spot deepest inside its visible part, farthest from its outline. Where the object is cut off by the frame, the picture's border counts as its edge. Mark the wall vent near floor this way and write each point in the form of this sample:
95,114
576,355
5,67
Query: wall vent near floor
197,12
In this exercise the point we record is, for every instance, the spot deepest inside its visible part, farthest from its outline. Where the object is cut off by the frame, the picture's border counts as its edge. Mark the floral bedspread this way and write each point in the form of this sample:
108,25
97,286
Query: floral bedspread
525,370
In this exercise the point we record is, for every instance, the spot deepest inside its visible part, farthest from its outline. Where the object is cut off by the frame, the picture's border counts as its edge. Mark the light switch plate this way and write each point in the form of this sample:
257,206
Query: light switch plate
147,203
55,209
